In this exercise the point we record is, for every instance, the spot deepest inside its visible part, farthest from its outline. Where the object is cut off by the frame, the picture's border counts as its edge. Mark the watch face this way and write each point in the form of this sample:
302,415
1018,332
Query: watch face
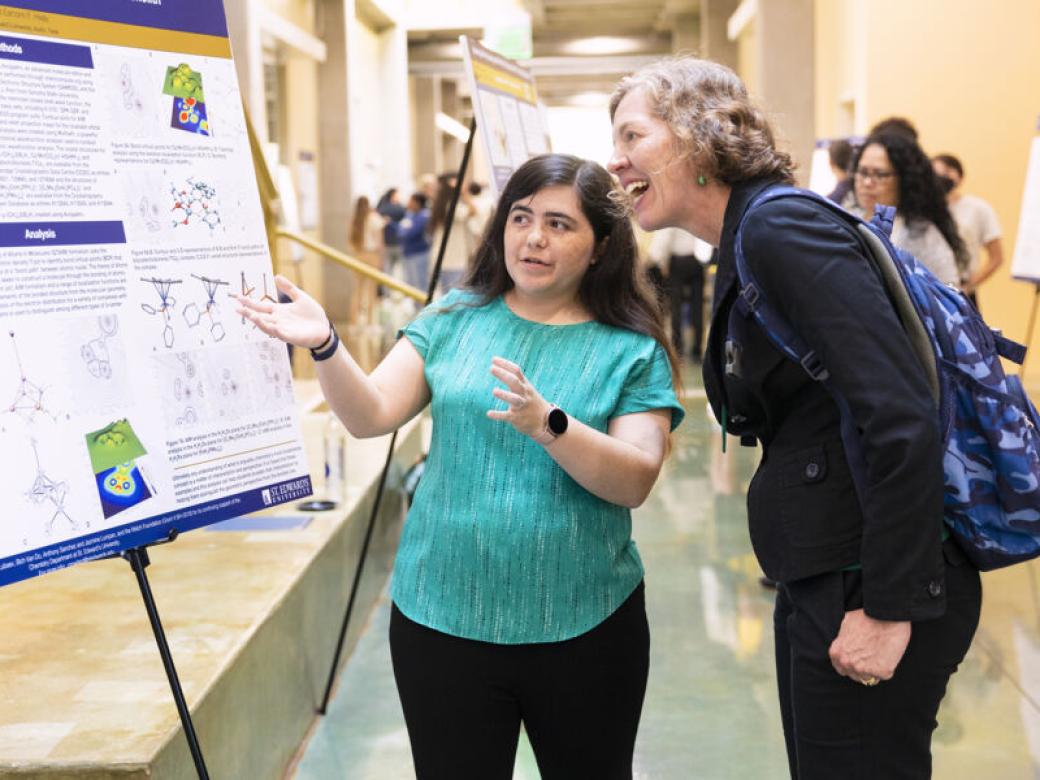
557,421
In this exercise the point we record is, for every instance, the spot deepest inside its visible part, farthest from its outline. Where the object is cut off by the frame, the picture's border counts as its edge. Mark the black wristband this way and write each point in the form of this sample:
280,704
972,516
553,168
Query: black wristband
328,349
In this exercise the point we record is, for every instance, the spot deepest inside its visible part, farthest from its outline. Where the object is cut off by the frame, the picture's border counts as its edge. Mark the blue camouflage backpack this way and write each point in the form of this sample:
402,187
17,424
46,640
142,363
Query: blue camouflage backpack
988,426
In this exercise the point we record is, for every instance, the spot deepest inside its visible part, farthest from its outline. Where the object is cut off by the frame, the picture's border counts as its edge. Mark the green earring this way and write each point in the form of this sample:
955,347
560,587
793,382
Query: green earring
702,179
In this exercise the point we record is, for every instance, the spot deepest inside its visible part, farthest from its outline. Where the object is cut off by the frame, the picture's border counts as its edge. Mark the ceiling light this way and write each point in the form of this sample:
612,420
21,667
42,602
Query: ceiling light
602,45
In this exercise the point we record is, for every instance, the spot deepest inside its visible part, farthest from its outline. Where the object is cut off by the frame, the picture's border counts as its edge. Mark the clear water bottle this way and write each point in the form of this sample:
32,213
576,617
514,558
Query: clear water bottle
335,459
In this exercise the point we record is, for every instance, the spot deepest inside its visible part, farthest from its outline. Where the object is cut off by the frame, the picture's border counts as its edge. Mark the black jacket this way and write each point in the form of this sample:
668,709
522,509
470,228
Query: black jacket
804,515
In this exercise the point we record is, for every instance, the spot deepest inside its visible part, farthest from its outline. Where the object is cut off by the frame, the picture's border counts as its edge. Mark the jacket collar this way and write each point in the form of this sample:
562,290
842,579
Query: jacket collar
740,198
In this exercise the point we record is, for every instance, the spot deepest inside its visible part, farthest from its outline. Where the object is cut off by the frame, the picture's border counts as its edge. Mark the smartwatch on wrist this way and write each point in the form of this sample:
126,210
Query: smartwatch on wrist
555,425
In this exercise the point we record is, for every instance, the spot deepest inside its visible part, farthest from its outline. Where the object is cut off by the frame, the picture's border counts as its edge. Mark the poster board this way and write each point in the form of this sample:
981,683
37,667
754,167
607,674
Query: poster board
133,400
1026,263
505,104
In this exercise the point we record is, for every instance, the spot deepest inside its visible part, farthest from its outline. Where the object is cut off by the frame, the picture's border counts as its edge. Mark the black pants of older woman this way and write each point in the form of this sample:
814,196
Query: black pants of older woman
837,727
579,700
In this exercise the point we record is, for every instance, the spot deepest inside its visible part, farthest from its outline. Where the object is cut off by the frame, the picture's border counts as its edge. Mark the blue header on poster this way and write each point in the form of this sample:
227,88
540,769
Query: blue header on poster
22,234
45,52
205,17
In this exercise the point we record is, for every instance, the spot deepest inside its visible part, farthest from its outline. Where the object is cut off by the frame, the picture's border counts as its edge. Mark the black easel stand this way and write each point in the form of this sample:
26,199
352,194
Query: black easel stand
1029,328
137,557
434,278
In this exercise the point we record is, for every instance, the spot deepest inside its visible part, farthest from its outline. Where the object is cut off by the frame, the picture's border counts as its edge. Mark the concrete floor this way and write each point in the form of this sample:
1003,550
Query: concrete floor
710,708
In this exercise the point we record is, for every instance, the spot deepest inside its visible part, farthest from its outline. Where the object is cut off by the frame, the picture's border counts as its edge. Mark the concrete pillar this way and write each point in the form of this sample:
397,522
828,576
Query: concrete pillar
715,42
337,197
686,34
786,76
244,32
451,147
427,95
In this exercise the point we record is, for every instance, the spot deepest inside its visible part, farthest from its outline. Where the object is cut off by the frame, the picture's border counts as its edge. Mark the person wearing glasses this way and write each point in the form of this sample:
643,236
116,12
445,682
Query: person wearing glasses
874,610
890,169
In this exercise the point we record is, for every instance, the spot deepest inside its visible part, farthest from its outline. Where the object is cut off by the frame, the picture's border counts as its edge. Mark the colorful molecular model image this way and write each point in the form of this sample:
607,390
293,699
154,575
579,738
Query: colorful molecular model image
189,115
194,203
189,101
182,81
166,304
95,352
114,451
193,313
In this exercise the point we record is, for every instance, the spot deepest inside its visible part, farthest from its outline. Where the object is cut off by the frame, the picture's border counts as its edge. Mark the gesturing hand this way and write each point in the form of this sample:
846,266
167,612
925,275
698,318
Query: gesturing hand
868,650
526,409
301,322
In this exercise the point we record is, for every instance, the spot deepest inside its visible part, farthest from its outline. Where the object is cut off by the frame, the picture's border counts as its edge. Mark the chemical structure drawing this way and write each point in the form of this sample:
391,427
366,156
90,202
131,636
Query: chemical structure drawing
277,375
28,398
95,352
248,290
188,392
166,304
150,214
46,490
194,203
193,313
131,100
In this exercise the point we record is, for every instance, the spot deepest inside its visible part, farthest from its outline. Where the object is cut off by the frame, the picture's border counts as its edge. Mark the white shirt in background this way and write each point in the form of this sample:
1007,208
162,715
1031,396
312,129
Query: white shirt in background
978,225
676,241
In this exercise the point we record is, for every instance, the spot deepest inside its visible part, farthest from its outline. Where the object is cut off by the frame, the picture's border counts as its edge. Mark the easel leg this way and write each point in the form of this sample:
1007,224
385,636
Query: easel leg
1029,332
138,560
435,276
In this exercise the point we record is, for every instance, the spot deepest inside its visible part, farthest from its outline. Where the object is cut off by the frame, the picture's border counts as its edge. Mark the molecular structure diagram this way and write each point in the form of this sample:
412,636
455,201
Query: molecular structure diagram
247,292
44,489
277,377
185,391
95,352
193,314
131,101
193,204
166,304
28,398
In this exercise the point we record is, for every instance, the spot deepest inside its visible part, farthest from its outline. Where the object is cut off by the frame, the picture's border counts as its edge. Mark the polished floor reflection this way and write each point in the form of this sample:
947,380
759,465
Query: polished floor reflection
711,709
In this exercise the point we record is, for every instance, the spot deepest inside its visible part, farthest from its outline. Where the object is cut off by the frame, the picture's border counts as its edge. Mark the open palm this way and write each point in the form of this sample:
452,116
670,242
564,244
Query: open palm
301,322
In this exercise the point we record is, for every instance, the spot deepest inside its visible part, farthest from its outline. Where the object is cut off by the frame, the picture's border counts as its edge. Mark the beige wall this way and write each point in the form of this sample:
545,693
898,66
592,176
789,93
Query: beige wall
968,75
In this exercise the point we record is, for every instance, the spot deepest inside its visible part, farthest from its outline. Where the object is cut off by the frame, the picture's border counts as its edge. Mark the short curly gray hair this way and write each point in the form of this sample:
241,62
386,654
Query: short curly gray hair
707,107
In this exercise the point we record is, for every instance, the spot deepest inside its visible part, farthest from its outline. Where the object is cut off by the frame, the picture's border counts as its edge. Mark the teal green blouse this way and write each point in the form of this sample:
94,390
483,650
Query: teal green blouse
501,545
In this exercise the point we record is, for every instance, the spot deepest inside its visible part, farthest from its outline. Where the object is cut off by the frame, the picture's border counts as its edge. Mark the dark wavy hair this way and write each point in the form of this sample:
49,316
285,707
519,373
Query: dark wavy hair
920,194
614,290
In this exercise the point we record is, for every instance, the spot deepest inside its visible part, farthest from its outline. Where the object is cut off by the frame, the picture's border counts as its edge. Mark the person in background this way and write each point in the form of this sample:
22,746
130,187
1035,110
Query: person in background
976,222
874,611
840,154
366,242
517,590
415,243
685,257
895,125
456,256
390,208
481,206
891,170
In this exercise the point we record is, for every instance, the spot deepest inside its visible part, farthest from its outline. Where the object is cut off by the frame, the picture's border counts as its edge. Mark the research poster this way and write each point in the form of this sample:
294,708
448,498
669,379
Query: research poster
505,104
1026,263
133,400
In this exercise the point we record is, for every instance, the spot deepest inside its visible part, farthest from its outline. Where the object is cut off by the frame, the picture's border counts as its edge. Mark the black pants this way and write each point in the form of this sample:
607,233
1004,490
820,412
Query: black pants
579,699
836,727
686,285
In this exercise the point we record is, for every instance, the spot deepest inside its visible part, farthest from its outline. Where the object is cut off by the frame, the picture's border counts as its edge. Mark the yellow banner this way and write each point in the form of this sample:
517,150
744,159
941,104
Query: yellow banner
490,76
74,28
